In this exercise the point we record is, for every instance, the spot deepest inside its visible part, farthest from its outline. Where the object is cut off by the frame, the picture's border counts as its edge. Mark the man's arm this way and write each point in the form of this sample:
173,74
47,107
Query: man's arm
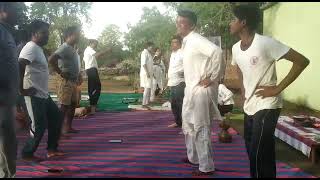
53,61
214,69
22,68
144,62
242,91
299,64
181,74
146,69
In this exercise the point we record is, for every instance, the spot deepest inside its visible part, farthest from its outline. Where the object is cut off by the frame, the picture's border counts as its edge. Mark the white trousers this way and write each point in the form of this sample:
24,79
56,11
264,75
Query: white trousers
146,96
199,148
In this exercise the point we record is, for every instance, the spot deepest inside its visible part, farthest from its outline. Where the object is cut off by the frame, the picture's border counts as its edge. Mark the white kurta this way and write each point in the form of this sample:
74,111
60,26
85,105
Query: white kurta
146,59
201,58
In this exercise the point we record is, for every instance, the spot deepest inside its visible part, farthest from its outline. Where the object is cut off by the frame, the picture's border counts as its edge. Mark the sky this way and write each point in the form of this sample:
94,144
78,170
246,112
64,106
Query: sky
118,13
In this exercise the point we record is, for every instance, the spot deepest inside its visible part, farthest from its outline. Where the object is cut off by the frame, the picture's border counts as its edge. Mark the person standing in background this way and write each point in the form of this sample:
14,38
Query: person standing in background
176,81
67,58
91,67
146,73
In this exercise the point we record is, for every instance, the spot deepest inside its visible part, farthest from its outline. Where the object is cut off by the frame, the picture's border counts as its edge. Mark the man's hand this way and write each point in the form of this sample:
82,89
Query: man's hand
28,92
206,82
181,74
148,75
267,91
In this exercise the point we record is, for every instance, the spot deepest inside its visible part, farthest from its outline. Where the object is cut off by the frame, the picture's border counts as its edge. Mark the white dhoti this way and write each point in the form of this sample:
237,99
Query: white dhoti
201,60
198,111
146,83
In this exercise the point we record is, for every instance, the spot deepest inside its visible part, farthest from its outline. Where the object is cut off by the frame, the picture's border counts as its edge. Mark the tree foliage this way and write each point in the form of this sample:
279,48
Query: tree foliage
153,26
60,15
110,37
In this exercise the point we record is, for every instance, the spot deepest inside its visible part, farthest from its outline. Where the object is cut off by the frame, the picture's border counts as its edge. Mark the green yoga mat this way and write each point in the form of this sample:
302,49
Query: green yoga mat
115,101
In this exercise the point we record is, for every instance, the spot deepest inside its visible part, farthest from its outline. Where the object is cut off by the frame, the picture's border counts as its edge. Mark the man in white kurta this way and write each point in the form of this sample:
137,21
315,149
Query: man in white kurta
146,73
202,63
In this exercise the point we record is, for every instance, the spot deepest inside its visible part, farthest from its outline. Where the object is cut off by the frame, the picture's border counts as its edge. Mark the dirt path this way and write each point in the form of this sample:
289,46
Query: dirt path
108,86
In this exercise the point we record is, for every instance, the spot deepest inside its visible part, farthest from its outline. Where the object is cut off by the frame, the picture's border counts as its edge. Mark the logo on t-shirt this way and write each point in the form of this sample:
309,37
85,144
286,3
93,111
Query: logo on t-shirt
254,60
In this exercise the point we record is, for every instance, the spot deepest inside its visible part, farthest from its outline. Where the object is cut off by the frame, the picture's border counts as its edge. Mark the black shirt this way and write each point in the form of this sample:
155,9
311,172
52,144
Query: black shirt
9,69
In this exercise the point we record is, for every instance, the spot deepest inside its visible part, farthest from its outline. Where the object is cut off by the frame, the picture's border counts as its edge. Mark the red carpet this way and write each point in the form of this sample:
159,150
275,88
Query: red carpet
149,149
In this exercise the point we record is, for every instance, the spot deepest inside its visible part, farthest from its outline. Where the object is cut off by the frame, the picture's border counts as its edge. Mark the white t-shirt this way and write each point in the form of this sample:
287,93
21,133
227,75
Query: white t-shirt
225,95
37,72
257,65
89,58
175,67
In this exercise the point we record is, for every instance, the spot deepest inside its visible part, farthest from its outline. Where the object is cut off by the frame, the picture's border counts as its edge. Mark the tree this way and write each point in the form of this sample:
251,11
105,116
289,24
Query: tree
22,11
60,15
110,37
22,23
152,26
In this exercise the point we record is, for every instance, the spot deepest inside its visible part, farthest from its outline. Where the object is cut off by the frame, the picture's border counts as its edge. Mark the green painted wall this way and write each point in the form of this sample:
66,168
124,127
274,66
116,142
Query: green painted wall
297,24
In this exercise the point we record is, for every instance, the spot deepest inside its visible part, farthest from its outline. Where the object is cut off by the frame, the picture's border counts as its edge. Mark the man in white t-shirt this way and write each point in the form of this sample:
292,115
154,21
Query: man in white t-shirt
146,73
225,99
201,64
34,76
176,80
256,55
90,57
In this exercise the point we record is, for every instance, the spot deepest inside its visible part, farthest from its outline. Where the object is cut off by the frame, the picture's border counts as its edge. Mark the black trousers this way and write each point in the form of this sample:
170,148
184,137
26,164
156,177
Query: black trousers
225,109
44,114
94,86
177,95
260,142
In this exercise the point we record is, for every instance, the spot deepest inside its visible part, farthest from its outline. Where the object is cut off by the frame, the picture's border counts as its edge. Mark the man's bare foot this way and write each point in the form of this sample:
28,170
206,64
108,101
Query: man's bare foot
55,153
147,107
174,125
200,173
73,131
32,158
186,160
93,110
